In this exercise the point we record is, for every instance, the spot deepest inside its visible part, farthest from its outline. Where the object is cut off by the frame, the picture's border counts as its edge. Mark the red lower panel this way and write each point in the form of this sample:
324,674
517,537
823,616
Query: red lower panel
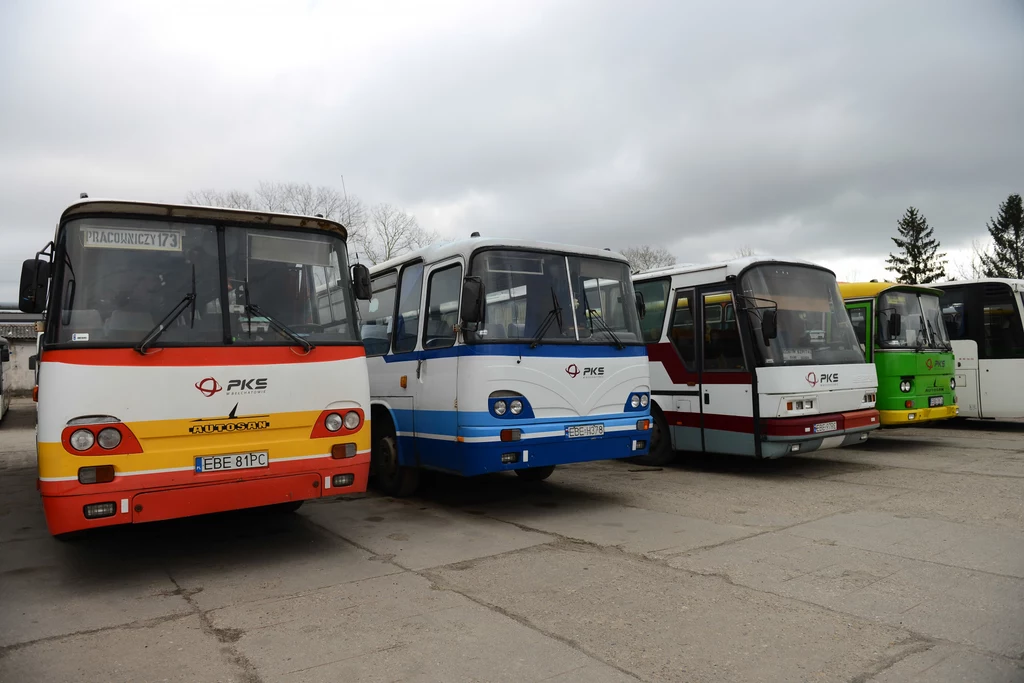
65,513
804,426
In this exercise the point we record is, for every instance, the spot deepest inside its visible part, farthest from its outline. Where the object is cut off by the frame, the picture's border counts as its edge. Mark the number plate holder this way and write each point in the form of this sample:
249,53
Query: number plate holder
578,431
232,461
935,401
822,427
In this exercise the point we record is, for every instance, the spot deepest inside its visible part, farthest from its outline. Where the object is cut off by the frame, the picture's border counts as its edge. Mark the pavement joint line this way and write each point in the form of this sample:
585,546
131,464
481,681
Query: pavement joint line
342,659
226,637
436,583
130,625
915,645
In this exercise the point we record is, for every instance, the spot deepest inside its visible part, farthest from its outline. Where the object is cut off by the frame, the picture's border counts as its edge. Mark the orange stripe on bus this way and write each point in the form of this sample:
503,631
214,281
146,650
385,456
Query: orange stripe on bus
197,356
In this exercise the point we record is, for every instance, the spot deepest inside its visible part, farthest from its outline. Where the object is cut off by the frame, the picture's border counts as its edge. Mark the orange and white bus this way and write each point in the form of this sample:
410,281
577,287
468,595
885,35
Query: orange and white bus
195,360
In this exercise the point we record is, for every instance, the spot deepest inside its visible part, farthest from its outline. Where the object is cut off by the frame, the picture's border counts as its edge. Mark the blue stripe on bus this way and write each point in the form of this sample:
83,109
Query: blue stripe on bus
447,422
542,351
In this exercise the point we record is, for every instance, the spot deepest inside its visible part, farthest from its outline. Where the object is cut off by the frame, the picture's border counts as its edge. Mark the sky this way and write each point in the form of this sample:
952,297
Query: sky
797,129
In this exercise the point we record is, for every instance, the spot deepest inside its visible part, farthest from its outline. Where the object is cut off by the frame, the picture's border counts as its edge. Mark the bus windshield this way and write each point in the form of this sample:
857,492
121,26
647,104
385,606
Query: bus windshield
921,324
813,326
548,297
121,277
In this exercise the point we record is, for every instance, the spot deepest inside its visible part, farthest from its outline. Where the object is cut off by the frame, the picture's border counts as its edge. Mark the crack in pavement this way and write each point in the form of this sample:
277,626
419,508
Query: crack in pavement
131,625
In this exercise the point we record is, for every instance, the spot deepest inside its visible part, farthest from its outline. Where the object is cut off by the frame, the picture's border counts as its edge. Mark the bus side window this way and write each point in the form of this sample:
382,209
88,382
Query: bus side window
407,319
655,294
443,293
859,320
683,332
377,315
1004,337
722,347
954,312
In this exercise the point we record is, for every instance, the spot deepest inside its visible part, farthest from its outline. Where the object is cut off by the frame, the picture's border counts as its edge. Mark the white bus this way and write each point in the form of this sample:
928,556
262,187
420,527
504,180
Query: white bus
5,377
489,355
984,323
775,367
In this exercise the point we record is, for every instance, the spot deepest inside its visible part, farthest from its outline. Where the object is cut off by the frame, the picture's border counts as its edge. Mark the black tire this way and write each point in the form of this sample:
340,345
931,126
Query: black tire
535,473
391,478
661,452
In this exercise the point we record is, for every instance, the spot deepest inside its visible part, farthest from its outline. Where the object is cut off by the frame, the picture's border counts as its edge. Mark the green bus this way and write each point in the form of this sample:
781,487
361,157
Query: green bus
901,331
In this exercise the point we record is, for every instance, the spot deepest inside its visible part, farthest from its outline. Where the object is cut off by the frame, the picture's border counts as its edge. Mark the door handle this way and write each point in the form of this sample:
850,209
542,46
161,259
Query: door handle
419,365
707,398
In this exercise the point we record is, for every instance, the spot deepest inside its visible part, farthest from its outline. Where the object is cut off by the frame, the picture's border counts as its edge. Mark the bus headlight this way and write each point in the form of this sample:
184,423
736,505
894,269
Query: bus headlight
952,383
333,422
82,439
634,401
500,407
644,400
516,406
109,438
351,420
905,386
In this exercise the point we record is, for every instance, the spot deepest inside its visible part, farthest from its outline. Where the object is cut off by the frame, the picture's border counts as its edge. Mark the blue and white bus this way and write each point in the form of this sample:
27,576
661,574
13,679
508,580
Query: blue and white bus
488,355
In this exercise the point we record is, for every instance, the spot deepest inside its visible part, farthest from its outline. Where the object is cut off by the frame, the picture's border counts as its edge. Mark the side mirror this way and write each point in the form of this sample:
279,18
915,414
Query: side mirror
769,325
33,361
472,300
894,328
35,275
641,306
5,355
361,282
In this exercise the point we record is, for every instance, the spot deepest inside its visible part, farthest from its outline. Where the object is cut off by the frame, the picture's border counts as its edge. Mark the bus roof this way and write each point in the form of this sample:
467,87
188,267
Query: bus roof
464,247
1017,285
727,268
158,211
869,290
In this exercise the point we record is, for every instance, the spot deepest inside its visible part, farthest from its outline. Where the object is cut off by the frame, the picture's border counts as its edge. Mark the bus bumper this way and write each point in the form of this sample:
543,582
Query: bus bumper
789,436
480,450
65,514
901,418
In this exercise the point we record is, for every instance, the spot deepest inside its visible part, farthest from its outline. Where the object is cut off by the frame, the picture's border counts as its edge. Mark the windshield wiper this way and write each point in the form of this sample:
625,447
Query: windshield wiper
252,309
188,300
594,315
555,314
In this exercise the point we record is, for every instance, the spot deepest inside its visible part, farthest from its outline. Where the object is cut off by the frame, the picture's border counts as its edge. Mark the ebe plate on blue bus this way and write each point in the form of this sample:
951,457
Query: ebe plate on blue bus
234,461
584,430
825,427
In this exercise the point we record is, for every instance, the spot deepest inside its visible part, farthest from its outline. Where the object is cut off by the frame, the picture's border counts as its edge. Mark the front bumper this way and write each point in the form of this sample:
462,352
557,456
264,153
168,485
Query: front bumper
901,418
788,436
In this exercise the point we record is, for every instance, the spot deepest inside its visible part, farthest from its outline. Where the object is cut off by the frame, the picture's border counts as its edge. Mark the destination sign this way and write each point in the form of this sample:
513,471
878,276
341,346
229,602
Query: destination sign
130,238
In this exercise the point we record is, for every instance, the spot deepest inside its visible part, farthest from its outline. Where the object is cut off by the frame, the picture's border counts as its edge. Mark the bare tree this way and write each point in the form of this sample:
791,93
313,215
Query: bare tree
745,251
645,257
975,268
232,199
391,232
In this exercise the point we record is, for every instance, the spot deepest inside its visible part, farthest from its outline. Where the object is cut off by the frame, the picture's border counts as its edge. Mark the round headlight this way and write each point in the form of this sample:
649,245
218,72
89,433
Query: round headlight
351,419
644,400
500,407
634,400
333,422
952,383
516,406
109,438
82,439
905,386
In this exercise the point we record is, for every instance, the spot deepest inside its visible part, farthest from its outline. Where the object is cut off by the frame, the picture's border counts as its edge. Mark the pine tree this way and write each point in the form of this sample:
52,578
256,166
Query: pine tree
1007,257
919,261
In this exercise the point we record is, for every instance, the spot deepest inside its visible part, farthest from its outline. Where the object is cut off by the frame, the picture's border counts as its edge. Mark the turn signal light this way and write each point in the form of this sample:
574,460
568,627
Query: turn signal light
643,425
340,451
511,434
909,403
100,474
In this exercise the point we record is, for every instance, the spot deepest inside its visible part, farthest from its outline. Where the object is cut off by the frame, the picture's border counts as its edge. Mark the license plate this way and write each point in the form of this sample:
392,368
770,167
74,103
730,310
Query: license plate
825,427
935,401
584,430
235,461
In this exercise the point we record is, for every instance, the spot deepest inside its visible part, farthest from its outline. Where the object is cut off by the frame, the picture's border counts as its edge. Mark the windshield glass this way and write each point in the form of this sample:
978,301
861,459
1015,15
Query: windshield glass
921,324
524,287
123,276
813,325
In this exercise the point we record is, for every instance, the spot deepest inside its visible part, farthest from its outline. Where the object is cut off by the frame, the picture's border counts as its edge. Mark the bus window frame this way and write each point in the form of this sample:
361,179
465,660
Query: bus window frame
669,293
1011,294
394,304
436,268
741,329
868,306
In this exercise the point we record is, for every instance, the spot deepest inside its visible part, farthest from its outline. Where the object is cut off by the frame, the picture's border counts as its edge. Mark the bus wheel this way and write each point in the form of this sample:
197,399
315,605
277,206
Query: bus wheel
661,452
535,473
287,508
391,477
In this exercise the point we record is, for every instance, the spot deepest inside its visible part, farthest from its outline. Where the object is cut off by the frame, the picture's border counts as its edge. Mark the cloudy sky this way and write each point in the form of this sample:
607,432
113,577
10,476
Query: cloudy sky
798,128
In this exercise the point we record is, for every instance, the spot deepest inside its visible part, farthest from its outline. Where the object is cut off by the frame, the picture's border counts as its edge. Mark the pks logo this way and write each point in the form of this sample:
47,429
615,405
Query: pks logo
574,370
208,386
824,378
934,364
